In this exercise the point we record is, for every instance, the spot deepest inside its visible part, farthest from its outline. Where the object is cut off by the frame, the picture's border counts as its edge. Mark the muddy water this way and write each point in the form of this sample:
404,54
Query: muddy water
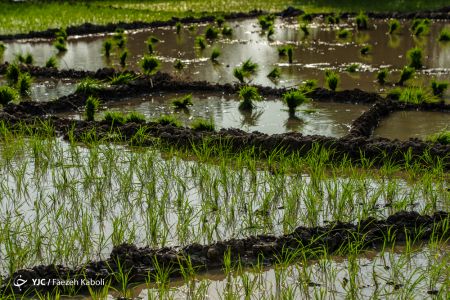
48,89
412,124
270,116
319,50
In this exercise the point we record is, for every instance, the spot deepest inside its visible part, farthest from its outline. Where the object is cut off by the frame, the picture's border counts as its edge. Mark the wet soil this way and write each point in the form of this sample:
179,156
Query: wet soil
140,262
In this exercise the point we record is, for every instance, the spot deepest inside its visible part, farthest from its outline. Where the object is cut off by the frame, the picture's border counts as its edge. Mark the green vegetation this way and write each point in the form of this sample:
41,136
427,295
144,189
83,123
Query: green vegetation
121,79
440,137
406,74
60,44
179,65
394,26
366,49
215,54
12,74
266,22
250,67
123,57
420,27
332,79
119,118
227,31
52,62
178,27
274,74
362,21
220,21
201,124
24,84
438,88
382,75
7,95
290,53
135,117
89,86
344,33
304,29
107,46
293,99
444,35
333,19
91,107
200,42
211,33
415,58
150,65
183,102
2,49
416,95
352,68
168,120
248,94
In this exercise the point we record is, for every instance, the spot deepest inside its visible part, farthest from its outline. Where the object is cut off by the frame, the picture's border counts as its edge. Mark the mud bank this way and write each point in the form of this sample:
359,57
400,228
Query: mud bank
143,262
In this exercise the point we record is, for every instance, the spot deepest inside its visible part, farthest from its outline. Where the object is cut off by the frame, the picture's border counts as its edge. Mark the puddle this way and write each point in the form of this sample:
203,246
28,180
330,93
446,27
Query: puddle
312,54
270,116
78,202
412,124
43,90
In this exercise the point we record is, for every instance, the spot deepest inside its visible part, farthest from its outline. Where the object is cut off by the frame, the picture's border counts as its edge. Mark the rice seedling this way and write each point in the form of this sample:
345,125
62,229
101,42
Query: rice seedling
227,31
270,32
282,51
249,66
332,19
239,74
366,49
2,49
91,107
178,27
442,137
168,120
183,102
332,79
293,99
306,17
406,74
150,66
248,94
28,59
290,53
352,68
61,33
88,86
200,124
60,44
304,29
382,75
122,79
179,65
415,58
444,36
394,26
395,93
153,40
220,21
215,54
344,33
107,46
274,74
12,74
200,42
308,86
7,95
362,21
438,87
420,27
211,33
114,118
24,84
52,62
135,117
123,57
416,95
266,22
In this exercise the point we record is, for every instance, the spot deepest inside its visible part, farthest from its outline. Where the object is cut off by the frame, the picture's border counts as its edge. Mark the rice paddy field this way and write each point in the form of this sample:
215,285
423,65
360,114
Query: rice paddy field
224,149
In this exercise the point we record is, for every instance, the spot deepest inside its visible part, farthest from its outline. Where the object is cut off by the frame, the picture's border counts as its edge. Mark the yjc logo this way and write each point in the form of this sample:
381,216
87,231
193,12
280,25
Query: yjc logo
18,282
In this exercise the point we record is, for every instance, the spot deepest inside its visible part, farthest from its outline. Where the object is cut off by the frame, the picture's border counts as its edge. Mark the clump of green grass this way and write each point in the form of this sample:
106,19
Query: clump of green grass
7,95
179,65
29,59
332,19
135,117
294,98
442,137
308,86
211,33
266,21
362,21
61,33
394,26
153,39
220,20
415,58
282,51
444,35
2,48
344,33
183,102
420,26
290,53
304,28
215,54
249,66
88,86
332,79
416,95
306,17
107,46
270,32
274,74
178,27
115,118
24,84
91,107
248,94
438,87
121,79
200,42
150,65
52,62
352,68
406,74
239,74
201,124
382,75
168,120
395,93
366,49
123,57
12,74
227,31
60,44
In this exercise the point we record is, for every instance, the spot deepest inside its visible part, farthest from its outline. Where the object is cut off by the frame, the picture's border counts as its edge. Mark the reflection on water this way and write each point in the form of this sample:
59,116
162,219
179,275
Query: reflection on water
312,54
269,116
412,124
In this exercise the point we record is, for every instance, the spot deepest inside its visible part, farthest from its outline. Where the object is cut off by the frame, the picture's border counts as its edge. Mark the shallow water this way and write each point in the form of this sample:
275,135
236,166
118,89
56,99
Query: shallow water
270,116
412,124
314,53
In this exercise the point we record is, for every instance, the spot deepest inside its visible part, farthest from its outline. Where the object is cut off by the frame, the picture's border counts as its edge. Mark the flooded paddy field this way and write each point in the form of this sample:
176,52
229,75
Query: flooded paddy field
166,164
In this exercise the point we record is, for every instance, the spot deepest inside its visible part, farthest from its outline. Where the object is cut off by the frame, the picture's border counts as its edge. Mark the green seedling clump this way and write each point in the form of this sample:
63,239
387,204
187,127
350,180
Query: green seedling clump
201,124
2,49
168,120
248,94
308,86
406,74
275,73
416,95
227,31
178,27
438,88
333,19
382,75
440,137
91,107
344,33
60,44
394,26
420,26
183,102
115,118
239,74
332,79
293,99
304,29
444,35
52,62
123,57
415,58
306,17
366,49
7,95
352,68
24,84
179,65
200,42
290,53
266,22
282,51
121,79
395,93
135,117
12,74
150,65
107,46
220,20
89,86
211,33
362,21
215,54
250,67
